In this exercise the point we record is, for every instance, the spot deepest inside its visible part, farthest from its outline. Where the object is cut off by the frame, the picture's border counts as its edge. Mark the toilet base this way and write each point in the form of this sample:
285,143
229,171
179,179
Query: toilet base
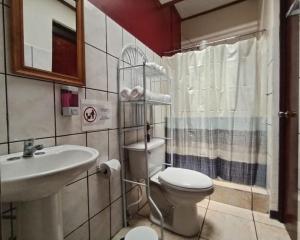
182,220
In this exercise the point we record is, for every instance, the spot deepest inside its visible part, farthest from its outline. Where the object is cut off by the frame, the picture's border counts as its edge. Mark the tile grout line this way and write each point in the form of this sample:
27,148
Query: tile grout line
202,225
7,114
87,182
256,234
55,123
5,77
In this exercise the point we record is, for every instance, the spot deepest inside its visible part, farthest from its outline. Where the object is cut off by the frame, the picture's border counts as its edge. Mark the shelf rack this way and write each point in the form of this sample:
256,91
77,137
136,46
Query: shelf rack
134,60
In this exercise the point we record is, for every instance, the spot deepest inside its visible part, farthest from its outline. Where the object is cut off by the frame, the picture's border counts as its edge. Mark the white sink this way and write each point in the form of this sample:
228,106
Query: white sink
28,179
36,182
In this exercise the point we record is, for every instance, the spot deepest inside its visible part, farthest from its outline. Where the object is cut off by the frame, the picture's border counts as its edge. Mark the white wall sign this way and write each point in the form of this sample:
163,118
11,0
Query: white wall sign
95,114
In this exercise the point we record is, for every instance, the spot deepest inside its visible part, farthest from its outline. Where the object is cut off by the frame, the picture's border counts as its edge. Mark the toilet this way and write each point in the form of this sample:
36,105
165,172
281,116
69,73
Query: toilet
176,191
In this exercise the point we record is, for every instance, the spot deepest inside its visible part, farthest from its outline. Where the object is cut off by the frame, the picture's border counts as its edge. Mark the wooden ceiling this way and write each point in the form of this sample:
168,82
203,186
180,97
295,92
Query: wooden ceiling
188,9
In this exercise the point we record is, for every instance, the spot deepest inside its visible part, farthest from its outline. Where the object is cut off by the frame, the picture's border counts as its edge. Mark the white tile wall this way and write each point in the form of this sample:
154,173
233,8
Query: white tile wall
100,226
114,38
1,44
99,141
116,216
3,125
81,233
92,205
128,38
3,149
30,108
96,76
112,63
99,193
75,205
95,34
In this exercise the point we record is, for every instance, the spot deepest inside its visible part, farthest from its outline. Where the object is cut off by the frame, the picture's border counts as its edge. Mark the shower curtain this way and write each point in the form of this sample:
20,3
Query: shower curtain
219,105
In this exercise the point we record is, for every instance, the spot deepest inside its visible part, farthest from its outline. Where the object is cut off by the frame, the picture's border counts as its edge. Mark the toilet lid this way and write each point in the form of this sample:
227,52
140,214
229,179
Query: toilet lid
142,232
185,179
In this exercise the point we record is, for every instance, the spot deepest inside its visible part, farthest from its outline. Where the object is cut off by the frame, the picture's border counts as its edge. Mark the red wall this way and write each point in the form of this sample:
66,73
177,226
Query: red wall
157,27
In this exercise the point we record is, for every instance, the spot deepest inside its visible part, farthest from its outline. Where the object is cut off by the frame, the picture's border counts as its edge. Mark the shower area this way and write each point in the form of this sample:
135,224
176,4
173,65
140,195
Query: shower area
223,112
220,108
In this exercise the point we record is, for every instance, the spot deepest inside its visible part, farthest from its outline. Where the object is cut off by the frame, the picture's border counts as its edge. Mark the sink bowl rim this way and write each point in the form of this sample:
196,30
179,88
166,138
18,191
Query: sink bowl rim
51,150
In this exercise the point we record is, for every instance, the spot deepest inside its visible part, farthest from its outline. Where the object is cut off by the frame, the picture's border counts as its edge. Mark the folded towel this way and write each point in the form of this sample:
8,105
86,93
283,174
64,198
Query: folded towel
125,94
156,67
137,93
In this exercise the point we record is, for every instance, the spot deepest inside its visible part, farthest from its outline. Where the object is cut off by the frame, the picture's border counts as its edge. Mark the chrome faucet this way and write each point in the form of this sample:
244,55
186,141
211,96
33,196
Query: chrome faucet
29,148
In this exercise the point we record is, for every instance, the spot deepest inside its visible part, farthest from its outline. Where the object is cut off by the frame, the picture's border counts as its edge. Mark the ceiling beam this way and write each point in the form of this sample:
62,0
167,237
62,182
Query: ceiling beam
212,10
172,3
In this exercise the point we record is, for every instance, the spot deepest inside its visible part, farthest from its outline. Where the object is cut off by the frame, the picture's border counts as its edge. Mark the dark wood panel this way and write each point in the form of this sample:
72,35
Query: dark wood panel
289,98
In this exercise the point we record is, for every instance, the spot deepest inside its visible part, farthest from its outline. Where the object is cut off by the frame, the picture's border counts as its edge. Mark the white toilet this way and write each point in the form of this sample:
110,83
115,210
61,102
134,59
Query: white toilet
175,190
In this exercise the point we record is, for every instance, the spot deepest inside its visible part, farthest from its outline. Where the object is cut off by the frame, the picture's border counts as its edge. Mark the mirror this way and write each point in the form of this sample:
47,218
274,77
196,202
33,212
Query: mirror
48,39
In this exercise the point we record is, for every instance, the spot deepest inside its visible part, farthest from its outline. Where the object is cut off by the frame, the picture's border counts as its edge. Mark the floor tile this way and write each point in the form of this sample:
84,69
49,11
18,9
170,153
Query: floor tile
171,236
203,203
264,218
268,232
140,221
221,226
232,210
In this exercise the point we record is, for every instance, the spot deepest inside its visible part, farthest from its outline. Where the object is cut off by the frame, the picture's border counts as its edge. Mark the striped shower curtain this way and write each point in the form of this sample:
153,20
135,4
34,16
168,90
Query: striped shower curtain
219,97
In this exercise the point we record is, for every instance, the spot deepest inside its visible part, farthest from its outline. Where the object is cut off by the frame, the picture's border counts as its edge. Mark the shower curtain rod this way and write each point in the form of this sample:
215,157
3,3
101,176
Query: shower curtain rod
214,42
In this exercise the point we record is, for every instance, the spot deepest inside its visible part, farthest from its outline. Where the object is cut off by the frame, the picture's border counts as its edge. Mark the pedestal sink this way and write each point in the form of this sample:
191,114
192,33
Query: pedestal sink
34,184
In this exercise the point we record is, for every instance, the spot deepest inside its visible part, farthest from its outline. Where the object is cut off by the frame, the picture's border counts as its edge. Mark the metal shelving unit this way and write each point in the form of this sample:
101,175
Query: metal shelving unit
134,60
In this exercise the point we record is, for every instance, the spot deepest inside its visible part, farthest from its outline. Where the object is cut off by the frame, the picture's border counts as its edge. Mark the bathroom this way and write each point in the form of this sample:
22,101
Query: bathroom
209,151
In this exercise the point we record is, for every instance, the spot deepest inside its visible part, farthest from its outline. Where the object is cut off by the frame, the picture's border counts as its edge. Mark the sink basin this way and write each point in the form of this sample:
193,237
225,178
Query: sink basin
35,183
27,179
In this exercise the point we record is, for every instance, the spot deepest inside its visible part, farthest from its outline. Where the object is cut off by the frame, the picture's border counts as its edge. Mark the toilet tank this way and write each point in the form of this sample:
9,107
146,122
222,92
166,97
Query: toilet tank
137,161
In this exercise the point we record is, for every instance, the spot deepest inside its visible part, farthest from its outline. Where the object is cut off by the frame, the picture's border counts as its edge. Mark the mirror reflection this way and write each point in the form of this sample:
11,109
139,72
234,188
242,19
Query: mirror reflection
50,39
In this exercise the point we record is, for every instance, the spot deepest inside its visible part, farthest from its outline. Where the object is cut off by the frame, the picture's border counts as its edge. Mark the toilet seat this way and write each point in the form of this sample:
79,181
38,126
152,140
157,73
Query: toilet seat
142,232
185,180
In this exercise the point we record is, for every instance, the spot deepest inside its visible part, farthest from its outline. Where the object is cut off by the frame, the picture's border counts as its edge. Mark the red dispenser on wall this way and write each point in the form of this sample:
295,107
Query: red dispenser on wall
69,101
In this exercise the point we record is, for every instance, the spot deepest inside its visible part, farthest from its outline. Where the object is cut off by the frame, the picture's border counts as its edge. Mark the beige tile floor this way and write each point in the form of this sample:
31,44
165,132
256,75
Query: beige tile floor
223,222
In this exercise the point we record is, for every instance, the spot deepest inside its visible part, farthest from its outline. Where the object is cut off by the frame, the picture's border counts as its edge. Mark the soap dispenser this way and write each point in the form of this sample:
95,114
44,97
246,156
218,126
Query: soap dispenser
69,101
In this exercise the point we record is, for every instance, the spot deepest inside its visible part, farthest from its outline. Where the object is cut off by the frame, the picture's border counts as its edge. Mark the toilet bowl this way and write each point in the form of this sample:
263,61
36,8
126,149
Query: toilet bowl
175,191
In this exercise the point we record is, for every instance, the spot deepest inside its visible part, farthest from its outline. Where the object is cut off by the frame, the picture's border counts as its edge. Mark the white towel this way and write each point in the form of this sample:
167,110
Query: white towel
157,67
137,93
125,94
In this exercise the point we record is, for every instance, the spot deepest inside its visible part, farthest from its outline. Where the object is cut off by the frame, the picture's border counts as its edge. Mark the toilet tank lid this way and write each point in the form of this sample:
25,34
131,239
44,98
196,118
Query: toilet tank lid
140,146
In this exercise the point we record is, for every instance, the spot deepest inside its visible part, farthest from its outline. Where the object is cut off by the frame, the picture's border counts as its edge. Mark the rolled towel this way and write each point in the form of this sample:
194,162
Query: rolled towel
137,93
125,94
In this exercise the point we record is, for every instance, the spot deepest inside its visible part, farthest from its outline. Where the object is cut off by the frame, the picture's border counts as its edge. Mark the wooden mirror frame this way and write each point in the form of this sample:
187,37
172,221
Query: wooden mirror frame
17,48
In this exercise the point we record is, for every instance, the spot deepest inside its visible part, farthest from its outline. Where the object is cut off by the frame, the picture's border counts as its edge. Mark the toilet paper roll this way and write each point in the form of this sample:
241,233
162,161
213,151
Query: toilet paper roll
110,168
